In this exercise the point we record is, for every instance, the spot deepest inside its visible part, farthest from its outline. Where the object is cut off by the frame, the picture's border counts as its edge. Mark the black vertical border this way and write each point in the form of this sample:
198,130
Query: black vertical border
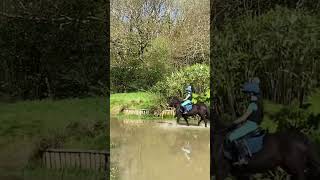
107,34
215,18
212,2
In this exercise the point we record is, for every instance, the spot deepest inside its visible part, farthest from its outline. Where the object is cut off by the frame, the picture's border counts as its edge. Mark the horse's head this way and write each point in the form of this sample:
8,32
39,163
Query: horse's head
174,101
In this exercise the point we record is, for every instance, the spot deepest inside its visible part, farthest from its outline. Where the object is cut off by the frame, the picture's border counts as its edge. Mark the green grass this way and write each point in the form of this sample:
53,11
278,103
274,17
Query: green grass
38,117
136,100
139,100
69,123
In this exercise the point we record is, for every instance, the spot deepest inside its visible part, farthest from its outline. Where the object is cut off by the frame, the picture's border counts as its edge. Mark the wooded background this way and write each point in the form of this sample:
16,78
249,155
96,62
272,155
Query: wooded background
150,39
53,48
277,41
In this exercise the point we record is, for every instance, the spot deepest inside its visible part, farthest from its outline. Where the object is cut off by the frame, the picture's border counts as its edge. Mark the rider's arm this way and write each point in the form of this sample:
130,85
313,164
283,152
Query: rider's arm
245,116
186,97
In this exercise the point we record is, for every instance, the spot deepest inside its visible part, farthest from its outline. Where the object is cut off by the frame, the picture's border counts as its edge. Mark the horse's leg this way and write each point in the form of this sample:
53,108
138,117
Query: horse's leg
200,120
178,115
203,118
186,119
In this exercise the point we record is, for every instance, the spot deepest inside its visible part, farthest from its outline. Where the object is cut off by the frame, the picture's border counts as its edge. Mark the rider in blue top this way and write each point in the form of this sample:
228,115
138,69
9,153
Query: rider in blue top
252,117
187,100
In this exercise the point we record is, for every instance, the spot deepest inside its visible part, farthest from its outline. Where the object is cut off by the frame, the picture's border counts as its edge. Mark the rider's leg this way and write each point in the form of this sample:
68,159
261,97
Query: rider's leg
242,152
184,106
246,128
234,137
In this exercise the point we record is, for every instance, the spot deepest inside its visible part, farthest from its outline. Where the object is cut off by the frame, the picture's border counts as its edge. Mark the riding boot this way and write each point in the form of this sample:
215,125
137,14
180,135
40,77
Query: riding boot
185,111
242,153
182,109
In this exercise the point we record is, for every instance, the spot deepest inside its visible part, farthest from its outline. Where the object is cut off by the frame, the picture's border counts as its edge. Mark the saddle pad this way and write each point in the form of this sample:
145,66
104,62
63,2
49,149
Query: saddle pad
255,144
189,107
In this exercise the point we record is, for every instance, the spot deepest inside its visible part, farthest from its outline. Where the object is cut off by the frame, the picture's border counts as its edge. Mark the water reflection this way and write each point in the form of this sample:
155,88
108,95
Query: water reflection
145,150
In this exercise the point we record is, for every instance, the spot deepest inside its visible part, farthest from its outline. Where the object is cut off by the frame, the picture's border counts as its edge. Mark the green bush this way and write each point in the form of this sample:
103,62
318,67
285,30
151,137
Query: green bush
134,72
294,118
203,97
174,85
281,47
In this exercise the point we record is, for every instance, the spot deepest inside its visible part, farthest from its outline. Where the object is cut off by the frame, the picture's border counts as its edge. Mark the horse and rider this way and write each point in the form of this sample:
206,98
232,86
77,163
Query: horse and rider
249,121
185,108
243,148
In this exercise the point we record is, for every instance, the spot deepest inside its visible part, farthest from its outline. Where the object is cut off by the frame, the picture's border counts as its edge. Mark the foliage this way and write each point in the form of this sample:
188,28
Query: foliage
133,73
292,117
226,11
280,47
52,49
174,85
151,38
203,97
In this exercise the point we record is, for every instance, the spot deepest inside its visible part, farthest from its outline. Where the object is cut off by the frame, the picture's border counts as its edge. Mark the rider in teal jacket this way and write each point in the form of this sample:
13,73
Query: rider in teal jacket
187,100
251,118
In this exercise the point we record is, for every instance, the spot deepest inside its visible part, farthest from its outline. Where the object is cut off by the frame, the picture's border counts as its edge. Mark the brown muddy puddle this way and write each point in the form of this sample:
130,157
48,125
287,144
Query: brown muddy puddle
144,150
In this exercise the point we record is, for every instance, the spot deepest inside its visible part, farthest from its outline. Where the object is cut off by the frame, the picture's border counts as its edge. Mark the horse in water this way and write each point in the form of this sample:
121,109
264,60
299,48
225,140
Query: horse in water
197,109
292,151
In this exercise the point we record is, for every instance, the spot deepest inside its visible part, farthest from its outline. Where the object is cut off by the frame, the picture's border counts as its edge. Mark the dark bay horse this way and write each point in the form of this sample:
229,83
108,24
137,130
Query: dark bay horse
197,109
292,151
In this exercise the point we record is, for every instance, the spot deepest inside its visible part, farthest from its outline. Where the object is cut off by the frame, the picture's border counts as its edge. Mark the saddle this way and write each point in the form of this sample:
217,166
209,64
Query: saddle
188,107
249,144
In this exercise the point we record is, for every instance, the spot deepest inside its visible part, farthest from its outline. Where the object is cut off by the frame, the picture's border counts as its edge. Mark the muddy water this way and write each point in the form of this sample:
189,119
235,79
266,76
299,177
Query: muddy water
144,150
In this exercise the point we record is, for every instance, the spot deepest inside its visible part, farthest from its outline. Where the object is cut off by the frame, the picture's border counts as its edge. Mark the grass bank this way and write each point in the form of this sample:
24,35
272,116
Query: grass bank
136,100
29,125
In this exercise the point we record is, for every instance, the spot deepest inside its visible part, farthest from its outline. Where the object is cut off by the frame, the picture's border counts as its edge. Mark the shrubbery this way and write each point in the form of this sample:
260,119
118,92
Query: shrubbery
175,84
136,72
281,47
294,118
